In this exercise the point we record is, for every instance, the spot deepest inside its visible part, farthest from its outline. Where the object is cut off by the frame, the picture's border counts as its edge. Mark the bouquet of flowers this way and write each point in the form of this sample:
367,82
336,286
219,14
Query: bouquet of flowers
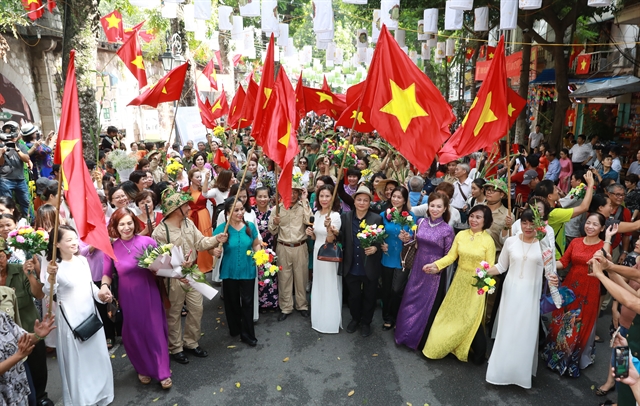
218,131
403,218
578,192
370,234
155,258
173,169
484,283
122,161
265,260
29,240
335,151
548,257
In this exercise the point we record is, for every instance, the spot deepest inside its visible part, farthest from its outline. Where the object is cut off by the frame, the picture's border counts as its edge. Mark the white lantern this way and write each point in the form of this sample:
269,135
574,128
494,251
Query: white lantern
390,13
283,38
247,43
481,19
432,41
431,20
369,56
202,9
237,30
361,55
464,5
530,4
276,53
400,37
249,53
200,33
169,10
331,50
355,1
214,39
440,50
269,20
599,3
322,16
375,26
307,54
405,50
413,55
422,36
339,56
362,40
450,47
452,18
224,18
188,14
250,8
326,36
321,44
166,1
508,14
426,52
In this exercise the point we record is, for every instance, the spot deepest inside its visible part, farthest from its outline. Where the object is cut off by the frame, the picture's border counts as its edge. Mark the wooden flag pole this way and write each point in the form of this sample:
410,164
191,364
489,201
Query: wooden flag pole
54,252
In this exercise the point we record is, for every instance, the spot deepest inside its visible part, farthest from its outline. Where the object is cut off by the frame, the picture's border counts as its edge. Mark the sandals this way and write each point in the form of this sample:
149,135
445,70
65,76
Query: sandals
145,380
109,343
387,326
601,392
167,383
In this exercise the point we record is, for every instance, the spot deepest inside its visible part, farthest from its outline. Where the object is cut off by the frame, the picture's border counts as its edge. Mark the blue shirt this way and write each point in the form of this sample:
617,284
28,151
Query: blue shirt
357,263
414,198
391,259
609,175
236,264
553,171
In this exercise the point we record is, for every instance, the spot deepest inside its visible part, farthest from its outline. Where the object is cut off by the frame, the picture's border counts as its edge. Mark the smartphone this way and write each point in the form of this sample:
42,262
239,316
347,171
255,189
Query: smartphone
590,270
620,362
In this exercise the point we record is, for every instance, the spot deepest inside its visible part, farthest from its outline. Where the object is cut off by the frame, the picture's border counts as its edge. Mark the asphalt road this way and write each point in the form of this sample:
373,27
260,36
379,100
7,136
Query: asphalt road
338,369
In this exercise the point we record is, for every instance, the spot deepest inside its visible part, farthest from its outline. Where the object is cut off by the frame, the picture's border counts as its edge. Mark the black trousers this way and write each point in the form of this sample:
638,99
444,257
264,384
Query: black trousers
109,326
238,305
478,347
362,297
393,284
37,362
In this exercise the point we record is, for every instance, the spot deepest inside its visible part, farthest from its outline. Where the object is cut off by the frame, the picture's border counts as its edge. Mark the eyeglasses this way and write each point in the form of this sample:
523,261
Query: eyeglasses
618,194
489,190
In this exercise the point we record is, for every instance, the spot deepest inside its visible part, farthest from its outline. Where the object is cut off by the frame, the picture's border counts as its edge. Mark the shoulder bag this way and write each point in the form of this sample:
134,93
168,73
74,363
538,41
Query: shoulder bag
330,252
408,253
87,328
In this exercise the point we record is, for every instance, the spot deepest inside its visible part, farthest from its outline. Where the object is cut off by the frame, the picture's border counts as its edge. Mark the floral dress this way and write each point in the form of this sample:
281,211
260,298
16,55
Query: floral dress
267,294
14,387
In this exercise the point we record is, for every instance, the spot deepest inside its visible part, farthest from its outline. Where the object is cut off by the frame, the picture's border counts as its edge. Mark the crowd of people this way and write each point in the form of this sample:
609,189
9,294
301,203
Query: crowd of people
566,212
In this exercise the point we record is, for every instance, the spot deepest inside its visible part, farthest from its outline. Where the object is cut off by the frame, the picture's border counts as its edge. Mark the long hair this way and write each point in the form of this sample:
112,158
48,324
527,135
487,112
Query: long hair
10,204
223,179
336,202
46,217
446,215
234,191
405,195
228,206
61,231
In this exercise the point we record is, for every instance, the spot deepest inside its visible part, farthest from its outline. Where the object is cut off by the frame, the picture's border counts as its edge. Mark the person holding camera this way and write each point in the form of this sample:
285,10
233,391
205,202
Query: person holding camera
13,156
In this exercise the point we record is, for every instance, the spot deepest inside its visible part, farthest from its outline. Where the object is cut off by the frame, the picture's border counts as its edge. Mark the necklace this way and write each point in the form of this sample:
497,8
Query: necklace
436,224
524,258
473,236
125,247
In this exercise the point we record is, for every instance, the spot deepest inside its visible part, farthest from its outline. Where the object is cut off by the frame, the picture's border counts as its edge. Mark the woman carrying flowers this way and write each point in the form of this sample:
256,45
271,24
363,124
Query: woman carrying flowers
267,293
398,222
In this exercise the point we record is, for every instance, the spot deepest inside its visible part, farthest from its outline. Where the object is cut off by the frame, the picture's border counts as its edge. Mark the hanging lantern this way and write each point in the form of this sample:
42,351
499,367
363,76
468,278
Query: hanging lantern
248,44
361,55
426,52
481,19
283,37
321,44
249,8
422,36
440,50
432,41
168,10
375,26
413,55
325,36
508,14
214,43
189,21
400,37
464,5
331,50
530,4
237,31
307,54
599,3
202,9
224,18
431,21
355,1
390,13
339,56
450,47
148,4
452,18
369,56
200,32
362,40
322,16
269,20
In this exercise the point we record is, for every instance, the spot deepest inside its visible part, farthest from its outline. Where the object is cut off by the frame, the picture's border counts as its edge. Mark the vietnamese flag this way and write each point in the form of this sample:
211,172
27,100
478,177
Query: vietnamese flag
205,111
112,26
584,63
300,105
323,101
131,55
491,52
51,4
490,114
147,35
575,51
209,72
220,107
246,113
265,90
515,104
34,8
235,110
469,54
135,29
168,88
82,199
406,108
221,160
361,116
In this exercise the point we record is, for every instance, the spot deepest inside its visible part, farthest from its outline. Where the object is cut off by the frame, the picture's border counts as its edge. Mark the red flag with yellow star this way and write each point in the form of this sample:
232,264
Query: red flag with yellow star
220,107
82,199
246,113
323,101
405,106
280,142
221,160
301,109
351,113
34,8
204,108
488,119
469,53
168,88
265,91
131,55
235,110
575,51
584,63
112,26
209,72
135,29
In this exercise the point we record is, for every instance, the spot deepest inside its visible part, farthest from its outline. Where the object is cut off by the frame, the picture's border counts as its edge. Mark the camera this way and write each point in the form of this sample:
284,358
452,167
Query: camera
598,146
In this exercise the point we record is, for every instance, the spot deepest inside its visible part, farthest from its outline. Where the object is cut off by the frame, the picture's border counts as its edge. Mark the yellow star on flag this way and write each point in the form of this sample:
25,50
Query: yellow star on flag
66,146
491,55
284,140
583,64
360,116
164,89
324,96
486,116
510,109
138,62
32,1
267,93
112,19
403,105
216,106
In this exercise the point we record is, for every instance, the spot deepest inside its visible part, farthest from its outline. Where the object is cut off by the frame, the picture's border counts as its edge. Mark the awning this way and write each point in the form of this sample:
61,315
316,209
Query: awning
609,87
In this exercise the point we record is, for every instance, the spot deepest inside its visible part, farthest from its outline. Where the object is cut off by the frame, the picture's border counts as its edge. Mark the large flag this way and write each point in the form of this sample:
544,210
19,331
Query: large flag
405,106
168,88
112,26
204,108
489,117
323,101
209,72
235,110
131,55
82,199
34,8
280,142
355,112
265,91
247,111
220,107
301,109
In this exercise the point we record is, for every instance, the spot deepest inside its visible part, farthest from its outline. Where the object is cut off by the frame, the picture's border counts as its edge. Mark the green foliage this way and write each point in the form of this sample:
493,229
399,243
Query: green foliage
12,14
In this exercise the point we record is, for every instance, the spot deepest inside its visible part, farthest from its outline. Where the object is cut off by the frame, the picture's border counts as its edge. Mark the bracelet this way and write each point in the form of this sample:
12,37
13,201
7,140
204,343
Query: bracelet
38,337
608,242
103,284
625,252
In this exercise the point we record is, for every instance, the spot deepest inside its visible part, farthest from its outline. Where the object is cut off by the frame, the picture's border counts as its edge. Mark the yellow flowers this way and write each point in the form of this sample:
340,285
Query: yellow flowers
249,252
492,282
261,257
414,227
218,131
374,156
363,224
173,168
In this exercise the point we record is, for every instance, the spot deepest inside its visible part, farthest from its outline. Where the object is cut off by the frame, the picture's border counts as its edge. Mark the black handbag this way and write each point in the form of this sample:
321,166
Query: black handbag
330,252
88,327
408,253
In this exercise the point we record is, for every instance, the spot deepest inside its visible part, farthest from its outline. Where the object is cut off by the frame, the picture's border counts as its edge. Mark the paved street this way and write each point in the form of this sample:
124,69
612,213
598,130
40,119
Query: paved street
323,369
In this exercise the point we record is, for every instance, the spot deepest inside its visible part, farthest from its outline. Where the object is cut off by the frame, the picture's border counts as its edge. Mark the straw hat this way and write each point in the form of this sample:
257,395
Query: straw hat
381,186
172,200
363,190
